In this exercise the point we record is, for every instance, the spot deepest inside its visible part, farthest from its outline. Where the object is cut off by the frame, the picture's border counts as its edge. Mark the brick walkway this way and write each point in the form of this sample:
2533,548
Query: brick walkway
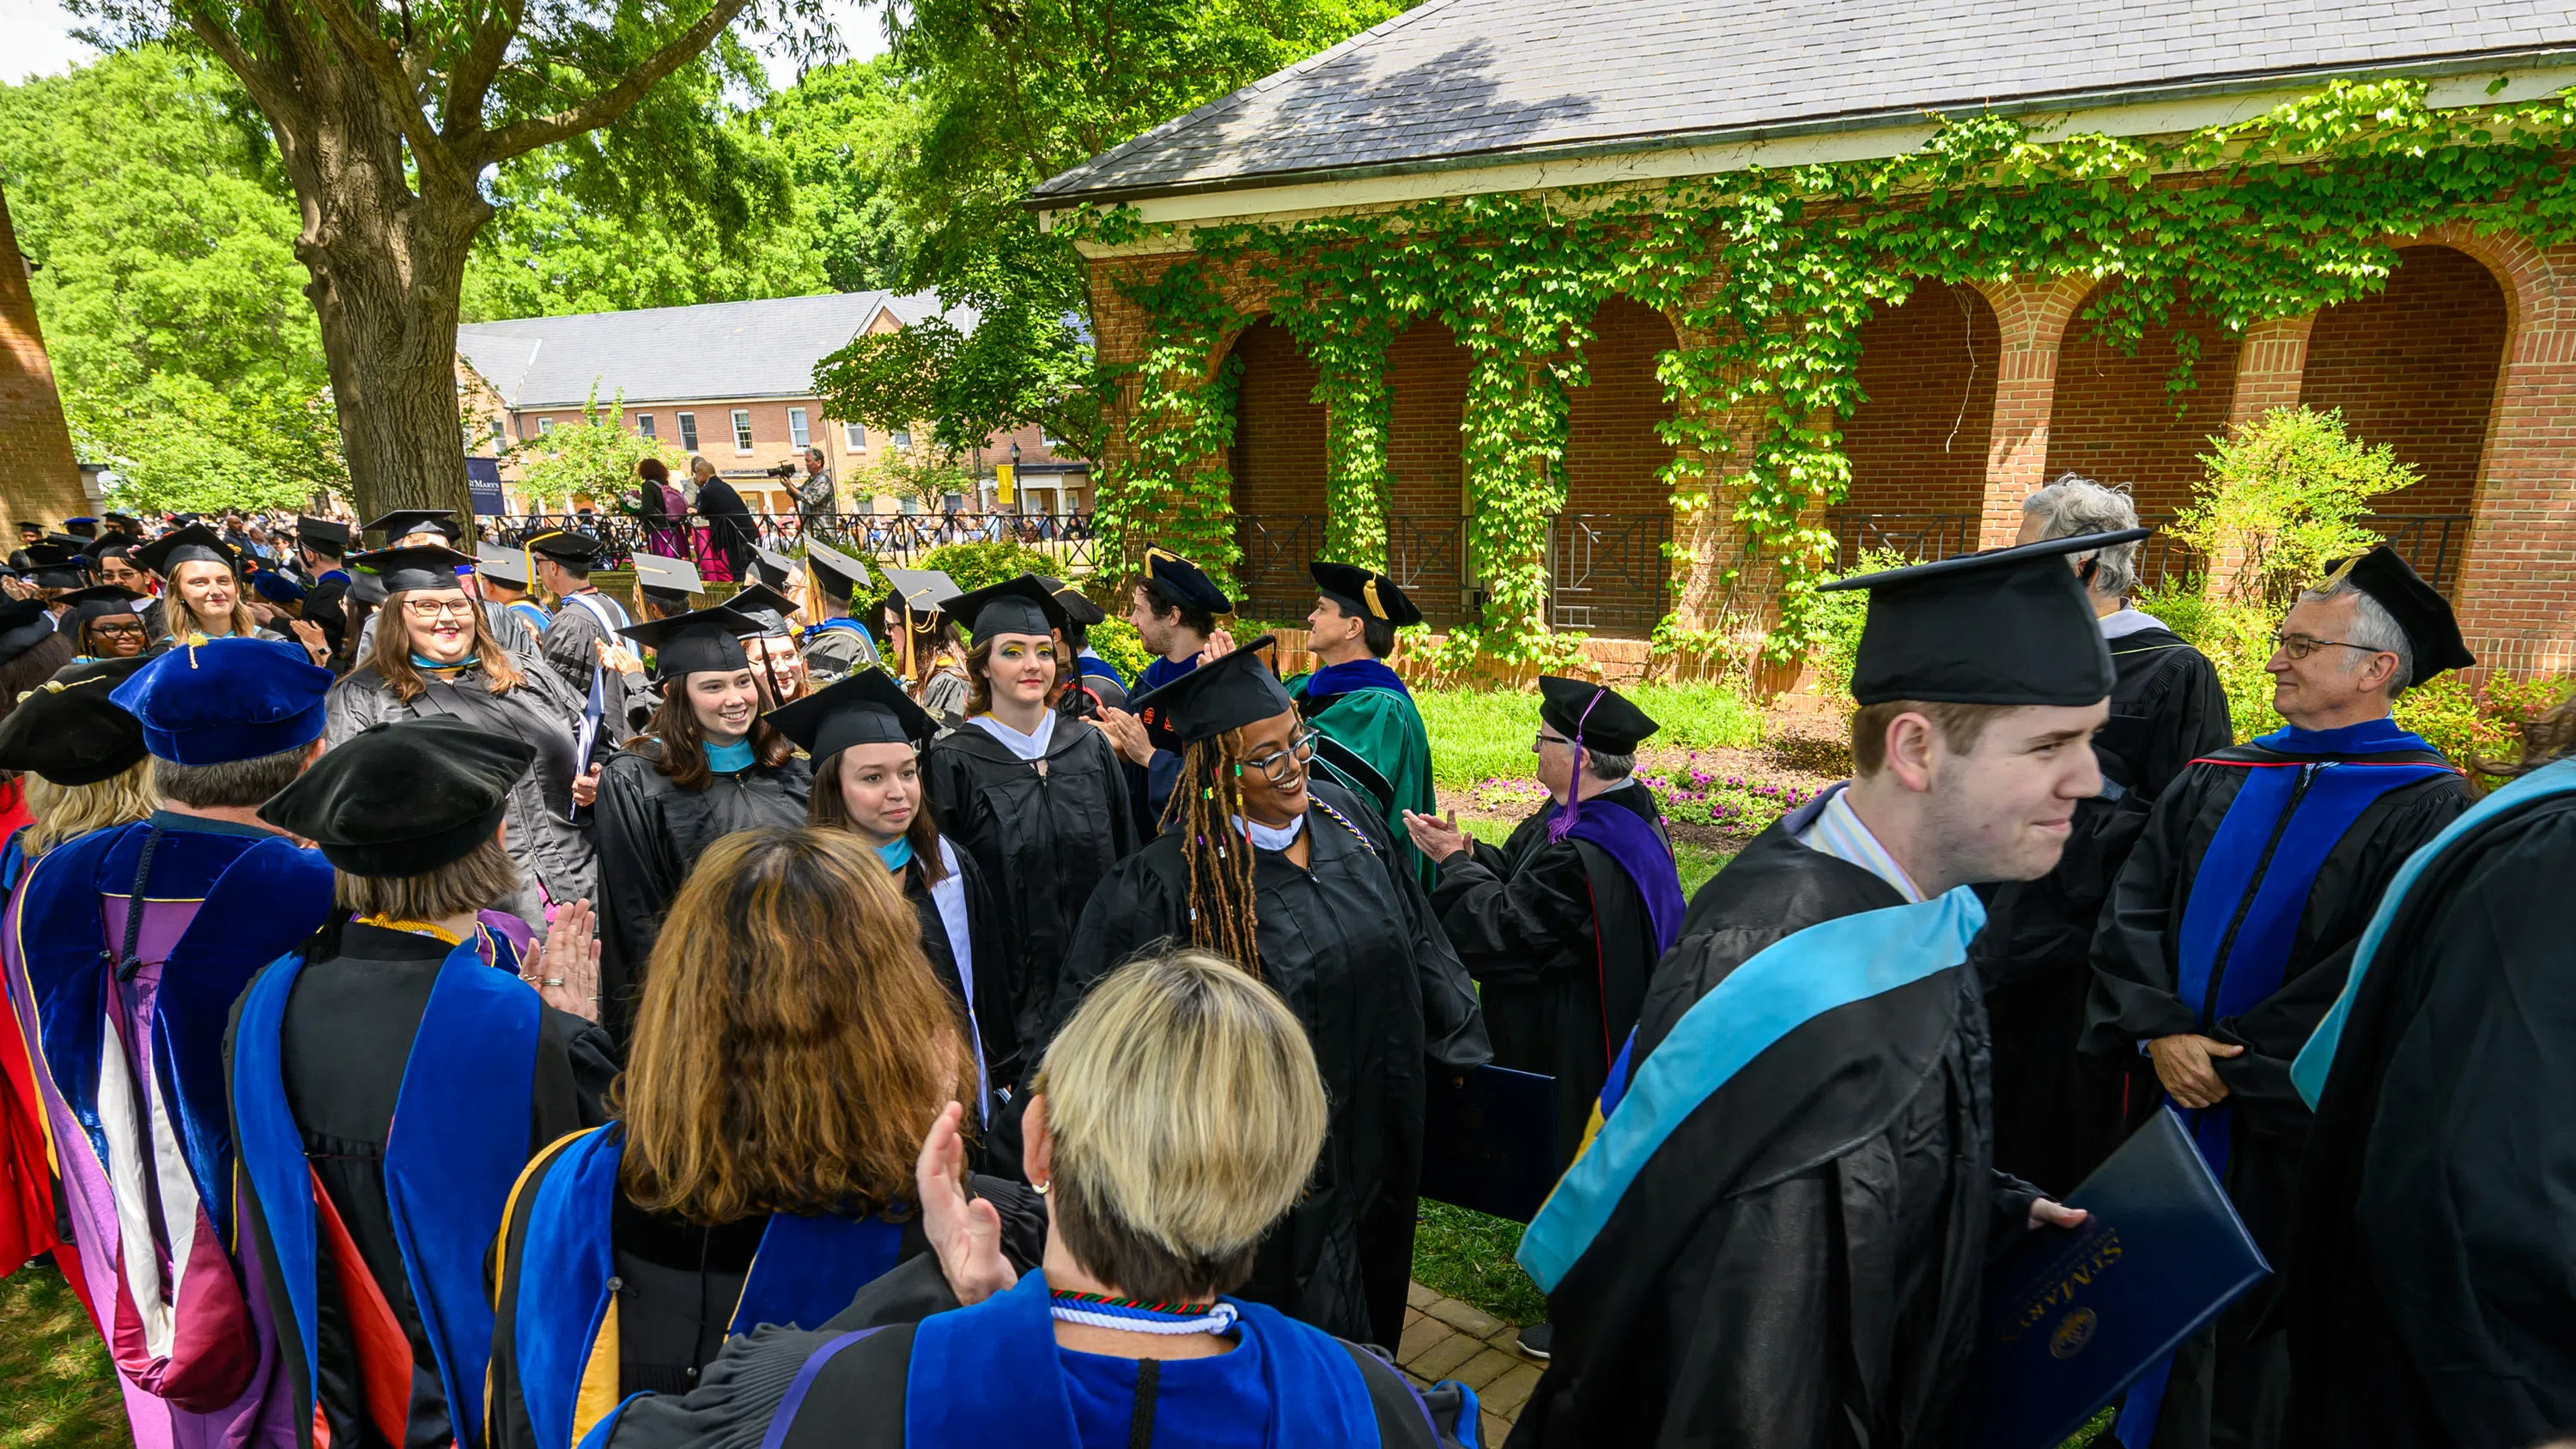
1447,1339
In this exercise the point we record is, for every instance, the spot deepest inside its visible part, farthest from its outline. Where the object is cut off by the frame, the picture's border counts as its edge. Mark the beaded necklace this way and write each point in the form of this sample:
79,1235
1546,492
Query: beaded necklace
1099,1310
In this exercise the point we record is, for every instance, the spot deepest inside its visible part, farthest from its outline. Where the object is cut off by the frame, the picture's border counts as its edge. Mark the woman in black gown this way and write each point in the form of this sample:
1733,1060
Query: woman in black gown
1036,798
864,735
706,766
1297,882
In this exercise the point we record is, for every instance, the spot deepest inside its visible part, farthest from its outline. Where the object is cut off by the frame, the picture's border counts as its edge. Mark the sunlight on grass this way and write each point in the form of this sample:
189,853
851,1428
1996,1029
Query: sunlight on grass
56,1388
1479,733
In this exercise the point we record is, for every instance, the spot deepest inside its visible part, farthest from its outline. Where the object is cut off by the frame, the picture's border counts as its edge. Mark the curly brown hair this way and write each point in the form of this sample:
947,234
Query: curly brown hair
793,1043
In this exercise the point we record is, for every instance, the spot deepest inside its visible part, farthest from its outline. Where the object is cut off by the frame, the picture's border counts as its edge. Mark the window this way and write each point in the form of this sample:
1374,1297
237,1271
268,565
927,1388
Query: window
796,430
742,430
903,437
644,425
498,440
545,426
911,504
688,431
854,435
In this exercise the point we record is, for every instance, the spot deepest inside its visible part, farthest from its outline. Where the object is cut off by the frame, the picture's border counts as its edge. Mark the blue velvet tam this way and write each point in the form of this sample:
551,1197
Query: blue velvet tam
276,587
226,700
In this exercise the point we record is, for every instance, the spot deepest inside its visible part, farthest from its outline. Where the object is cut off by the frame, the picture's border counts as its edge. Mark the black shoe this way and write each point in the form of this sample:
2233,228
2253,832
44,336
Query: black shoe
1536,1340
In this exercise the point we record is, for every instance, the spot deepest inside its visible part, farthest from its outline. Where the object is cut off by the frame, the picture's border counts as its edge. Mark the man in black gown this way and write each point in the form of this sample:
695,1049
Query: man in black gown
2058,1112
1779,1233
2231,928
319,545
2431,1294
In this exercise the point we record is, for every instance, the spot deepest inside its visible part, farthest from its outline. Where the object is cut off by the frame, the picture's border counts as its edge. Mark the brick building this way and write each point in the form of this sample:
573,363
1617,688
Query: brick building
734,383
42,480
1975,394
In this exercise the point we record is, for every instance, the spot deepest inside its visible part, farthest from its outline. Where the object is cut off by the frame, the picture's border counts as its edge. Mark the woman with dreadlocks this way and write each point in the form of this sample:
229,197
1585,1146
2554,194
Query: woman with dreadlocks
1297,882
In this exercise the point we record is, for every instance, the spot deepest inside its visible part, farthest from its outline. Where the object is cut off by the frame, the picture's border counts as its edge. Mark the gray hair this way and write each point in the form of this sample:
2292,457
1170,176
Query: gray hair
2373,628
232,783
1607,766
2076,504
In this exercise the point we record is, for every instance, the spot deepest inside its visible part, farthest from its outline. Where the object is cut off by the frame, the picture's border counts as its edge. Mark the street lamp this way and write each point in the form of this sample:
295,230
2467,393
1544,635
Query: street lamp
1018,505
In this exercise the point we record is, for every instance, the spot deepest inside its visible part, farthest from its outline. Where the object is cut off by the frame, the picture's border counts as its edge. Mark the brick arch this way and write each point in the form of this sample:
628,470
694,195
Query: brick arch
2414,366
2521,270
2112,420
1608,561
1277,466
1918,444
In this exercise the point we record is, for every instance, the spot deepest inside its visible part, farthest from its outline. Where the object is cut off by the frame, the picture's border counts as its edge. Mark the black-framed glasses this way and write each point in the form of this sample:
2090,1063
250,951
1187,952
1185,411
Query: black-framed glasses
1274,766
2300,646
440,608
134,626
1545,739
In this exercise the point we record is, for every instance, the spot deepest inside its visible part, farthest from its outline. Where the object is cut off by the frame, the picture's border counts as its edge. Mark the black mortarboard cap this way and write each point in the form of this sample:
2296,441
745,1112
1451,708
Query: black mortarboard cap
1014,606
918,591
1599,716
100,600
195,543
509,565
66,545
322,535
57,563
2431,629
1183,582
773,569
765,607
68,729
1366,594
868,708
563,547
83,527
365,588
836,571
108,543
1226,693
702,641
413,566
403,798
1076,604
666,580
403,522
24,624
2012,626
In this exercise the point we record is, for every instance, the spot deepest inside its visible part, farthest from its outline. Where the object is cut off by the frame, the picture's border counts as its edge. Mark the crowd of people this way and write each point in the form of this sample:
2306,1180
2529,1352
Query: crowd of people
451,1004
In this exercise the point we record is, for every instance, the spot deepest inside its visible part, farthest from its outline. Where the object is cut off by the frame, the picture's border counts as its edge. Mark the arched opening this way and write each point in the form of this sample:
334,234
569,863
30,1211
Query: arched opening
1606,562
1277,464
2414,367
2113,421
1917,443
1426,535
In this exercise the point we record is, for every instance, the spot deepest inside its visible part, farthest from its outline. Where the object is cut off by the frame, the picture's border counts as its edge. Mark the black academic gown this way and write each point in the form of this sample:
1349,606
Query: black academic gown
730,525
325,605
1354,948
345,1045
1799,1262
989,947
649,833
2058,1112
1558,940
1044,832
2431,1291
2230,1382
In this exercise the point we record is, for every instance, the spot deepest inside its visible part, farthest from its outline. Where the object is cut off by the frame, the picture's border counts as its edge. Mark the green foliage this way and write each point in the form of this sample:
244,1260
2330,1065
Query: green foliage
975,565
1115,640
2285,493
1485,734
2237,637
1176,491
594,458
842,129
2481,726
920,474
1771,274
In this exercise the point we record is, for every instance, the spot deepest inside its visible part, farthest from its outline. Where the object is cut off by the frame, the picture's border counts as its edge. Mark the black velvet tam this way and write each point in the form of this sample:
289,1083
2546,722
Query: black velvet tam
1226,693
68,729
2431,629
868,708
1601,717
405,797
701,641
1185,583
1364,593
2011,626
1023,605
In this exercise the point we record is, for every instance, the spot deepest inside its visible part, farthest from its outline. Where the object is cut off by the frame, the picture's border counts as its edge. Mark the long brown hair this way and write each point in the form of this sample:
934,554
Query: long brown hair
979,679
1204,803
793,1043
682,755
825,810
391,656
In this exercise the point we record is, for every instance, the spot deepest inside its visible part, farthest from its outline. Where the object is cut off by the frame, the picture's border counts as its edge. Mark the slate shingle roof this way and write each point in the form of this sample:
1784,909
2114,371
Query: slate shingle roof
682,354
1455,78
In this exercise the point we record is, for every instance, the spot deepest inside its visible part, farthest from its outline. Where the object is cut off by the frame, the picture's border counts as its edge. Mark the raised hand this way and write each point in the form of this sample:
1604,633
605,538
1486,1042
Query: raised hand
965,1233
1126,734
1435,837
566,969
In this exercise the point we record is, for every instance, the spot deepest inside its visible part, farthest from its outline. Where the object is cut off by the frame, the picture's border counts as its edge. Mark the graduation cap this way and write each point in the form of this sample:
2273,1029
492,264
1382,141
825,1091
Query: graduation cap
835,572
57,563
100,601
70,731
666,581
227,700
765,607
84,527
365,588
405,797
702,641
322,535
69,543
562,547
1226,693
24,624
1076,604
2011,626
195,543
1364,593
412,566
1014,606
404,522
918,591
2422,613
121,520
1183,582
109,543
1595,714
868,708
506,565
773,569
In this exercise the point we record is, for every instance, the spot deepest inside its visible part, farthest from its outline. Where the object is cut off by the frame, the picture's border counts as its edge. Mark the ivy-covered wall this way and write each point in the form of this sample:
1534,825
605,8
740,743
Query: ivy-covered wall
1769,277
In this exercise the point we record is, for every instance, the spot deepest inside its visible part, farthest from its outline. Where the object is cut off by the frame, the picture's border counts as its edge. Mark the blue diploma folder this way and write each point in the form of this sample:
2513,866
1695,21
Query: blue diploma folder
2072,1318
1489,1141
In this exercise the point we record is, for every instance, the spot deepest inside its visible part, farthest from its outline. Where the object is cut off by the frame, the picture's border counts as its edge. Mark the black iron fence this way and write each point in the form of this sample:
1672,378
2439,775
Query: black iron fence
2431,542
1606,572
714,544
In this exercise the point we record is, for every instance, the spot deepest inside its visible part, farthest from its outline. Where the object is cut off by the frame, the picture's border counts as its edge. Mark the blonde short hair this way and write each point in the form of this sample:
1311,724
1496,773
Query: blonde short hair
1186,1113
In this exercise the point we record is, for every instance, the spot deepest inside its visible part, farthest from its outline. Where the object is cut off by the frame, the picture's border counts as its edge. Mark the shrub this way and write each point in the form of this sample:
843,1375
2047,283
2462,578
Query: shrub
2237,637
974,565
2284,493
1115,640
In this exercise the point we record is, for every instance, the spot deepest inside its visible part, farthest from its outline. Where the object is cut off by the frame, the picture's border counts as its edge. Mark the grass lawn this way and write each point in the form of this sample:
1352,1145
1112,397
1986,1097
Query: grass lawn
56,1388
1468,1256
1477,734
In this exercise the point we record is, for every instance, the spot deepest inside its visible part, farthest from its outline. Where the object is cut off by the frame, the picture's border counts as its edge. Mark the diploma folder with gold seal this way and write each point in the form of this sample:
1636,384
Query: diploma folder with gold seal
2073,1317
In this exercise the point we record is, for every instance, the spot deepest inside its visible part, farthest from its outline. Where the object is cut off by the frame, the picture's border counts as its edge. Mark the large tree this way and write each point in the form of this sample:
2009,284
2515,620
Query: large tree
387,118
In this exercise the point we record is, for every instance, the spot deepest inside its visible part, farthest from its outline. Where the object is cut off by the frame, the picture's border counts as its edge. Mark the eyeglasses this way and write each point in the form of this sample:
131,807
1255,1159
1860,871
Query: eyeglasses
1274,766
440,608
2300,646
132,627
1545,739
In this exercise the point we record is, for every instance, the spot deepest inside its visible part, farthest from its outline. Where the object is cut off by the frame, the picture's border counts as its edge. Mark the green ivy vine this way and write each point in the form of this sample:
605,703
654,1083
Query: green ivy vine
1770,274
1174,489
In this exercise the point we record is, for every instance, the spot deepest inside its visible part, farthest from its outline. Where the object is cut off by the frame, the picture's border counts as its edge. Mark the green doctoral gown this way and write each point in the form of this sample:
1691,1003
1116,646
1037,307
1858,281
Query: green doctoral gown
1373,744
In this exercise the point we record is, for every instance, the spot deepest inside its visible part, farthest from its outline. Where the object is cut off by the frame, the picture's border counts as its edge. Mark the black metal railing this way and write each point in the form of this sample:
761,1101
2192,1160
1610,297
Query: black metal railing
1918,537
2432,543
1276,549
1606,572
889,538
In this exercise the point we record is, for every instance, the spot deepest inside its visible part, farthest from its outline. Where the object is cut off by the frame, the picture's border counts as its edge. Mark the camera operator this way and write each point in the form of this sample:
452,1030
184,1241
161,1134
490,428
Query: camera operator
814,492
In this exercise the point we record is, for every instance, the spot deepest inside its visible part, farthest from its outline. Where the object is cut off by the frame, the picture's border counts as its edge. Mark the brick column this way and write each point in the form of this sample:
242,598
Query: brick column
42,480
2269,367
2031,313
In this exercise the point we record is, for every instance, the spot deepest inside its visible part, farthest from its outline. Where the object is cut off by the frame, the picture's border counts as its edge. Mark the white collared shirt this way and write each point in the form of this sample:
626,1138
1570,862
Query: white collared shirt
1838,831
1027,747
